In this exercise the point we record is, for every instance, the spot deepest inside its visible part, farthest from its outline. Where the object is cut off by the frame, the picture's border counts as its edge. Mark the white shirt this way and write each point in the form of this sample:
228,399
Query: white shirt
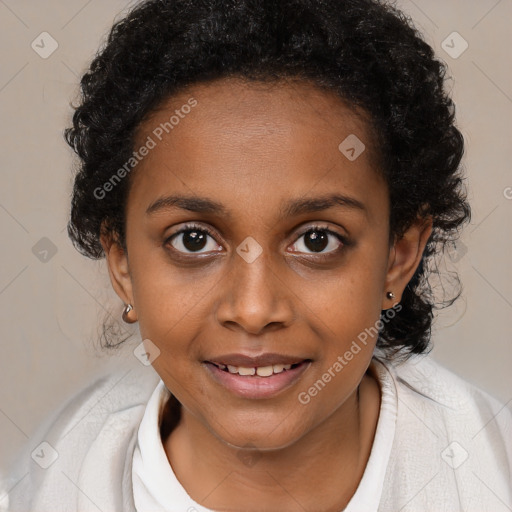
156,488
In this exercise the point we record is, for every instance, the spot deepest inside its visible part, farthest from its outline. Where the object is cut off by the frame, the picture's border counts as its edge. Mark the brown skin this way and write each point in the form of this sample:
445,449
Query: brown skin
252,147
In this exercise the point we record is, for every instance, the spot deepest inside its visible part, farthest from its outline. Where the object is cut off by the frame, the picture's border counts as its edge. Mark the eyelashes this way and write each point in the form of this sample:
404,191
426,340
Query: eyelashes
197,230
342,240
198,238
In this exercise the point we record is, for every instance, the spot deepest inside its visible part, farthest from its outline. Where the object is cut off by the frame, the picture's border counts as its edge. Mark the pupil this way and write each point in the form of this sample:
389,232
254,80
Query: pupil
316,242
193,240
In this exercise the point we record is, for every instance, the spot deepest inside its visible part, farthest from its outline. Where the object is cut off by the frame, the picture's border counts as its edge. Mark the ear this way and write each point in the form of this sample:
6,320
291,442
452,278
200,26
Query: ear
118,269
404,257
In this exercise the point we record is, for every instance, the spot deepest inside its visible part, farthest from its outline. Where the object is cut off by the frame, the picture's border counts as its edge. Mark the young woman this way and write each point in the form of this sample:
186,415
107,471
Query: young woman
271,184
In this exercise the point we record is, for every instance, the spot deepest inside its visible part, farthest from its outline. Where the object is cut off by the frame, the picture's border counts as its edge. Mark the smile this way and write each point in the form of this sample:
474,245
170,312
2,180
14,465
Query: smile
257,382
261,371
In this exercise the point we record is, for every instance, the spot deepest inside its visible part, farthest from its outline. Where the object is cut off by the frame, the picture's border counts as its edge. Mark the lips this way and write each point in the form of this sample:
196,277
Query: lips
258,382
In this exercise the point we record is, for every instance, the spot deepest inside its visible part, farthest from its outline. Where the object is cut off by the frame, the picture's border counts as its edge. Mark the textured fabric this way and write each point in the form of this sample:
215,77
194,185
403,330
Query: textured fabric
94,434
451,449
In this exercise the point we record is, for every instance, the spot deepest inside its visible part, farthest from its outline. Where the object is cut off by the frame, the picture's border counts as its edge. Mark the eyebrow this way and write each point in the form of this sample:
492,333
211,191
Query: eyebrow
190,203
290,208
316,204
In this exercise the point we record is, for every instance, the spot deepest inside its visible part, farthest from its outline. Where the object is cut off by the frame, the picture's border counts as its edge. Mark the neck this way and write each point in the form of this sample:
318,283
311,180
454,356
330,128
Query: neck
330,459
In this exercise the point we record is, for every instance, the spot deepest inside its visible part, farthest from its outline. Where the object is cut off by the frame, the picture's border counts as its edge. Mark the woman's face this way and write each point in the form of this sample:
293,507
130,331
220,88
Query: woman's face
287,252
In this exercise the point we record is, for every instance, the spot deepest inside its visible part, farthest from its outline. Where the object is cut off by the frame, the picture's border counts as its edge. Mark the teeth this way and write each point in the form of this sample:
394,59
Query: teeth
242,370
261,371
264,371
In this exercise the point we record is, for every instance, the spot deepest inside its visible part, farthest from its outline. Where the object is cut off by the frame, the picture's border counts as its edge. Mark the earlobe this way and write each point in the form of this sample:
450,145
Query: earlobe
118,269
404,258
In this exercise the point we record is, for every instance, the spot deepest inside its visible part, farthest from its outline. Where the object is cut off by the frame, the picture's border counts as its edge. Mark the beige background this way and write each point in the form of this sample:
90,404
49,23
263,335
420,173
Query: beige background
50,311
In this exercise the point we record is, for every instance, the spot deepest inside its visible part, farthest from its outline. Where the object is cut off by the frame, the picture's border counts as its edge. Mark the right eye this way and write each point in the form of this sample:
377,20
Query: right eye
191,239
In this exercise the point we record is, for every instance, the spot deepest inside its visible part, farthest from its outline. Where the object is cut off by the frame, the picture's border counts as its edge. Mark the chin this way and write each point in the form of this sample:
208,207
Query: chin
276,436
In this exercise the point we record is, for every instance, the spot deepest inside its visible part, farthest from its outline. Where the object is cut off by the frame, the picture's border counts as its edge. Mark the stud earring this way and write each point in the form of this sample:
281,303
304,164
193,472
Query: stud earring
390,295
126,311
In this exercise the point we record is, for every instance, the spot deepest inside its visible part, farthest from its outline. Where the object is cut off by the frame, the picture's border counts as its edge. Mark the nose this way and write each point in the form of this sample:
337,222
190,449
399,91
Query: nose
254,297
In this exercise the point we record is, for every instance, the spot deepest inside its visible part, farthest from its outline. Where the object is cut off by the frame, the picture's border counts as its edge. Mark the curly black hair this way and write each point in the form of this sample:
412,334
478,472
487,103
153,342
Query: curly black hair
368,52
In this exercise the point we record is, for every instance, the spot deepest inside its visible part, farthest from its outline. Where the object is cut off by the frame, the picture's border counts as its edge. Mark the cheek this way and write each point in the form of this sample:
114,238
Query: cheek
166,294
351,296
347,310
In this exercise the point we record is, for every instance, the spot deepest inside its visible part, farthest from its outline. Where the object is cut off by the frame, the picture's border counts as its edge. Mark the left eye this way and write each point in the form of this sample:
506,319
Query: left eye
317,239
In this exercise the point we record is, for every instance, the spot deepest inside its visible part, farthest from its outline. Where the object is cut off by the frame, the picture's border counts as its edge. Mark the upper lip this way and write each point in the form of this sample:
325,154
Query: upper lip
267,359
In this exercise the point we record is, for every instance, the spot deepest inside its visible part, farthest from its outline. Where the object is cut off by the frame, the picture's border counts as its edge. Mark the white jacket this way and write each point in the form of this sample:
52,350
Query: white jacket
441,445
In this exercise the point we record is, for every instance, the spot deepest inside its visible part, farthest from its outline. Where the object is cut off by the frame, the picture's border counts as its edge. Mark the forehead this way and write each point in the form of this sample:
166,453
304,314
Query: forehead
295,108
251,142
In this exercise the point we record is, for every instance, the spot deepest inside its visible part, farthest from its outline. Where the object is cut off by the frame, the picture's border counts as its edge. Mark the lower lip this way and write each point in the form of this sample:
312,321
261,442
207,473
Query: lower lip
254,386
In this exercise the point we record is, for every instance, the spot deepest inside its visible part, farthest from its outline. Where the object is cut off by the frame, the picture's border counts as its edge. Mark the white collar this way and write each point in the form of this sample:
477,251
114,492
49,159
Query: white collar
156,487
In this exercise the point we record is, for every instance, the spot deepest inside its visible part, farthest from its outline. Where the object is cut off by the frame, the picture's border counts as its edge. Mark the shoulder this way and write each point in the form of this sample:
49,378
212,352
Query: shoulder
450,434
60,446
426,387
424,380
